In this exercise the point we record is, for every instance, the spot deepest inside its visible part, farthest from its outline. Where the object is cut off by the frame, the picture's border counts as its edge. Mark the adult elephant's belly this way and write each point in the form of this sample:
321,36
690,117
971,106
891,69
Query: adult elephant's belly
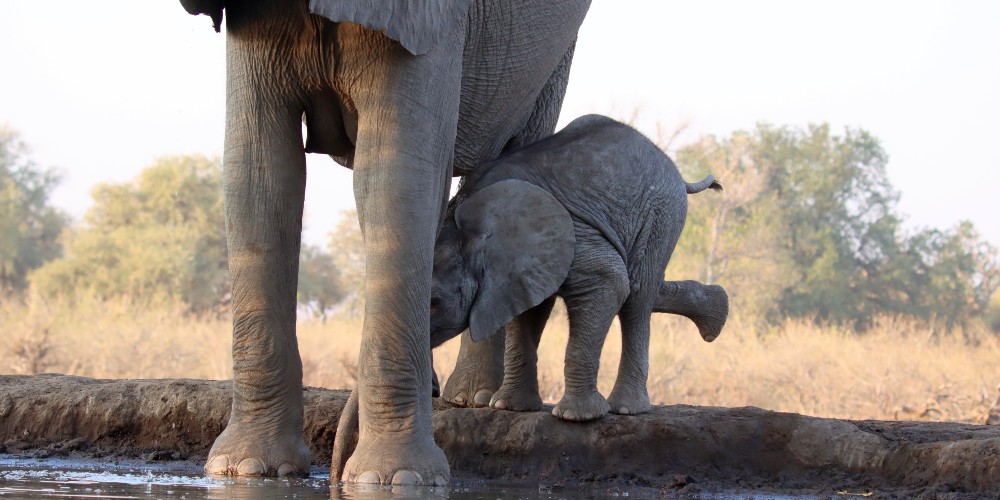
514,75
515,66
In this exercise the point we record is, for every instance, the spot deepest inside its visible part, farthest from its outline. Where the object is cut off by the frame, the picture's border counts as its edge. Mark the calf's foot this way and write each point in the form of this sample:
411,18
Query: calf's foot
581,407
629,400
515,398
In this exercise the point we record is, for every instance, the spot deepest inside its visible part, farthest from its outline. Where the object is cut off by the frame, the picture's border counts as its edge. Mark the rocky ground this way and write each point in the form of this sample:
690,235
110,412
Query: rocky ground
678,449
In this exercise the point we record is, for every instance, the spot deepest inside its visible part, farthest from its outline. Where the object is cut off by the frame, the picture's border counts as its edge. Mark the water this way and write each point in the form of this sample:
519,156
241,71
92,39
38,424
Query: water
65,478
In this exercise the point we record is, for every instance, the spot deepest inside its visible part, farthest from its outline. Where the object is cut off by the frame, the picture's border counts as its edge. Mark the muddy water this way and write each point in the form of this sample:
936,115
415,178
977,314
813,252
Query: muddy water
60,478
84,479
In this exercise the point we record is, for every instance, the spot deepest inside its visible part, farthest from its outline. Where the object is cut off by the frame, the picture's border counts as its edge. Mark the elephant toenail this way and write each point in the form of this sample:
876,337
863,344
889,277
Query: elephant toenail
440,481
569,415
406,478
251,467
218,465
499,404
287,470
459,399
370,477
483,397
623,410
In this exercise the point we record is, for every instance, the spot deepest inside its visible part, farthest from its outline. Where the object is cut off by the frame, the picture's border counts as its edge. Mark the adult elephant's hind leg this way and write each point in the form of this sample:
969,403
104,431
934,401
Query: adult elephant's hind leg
264,186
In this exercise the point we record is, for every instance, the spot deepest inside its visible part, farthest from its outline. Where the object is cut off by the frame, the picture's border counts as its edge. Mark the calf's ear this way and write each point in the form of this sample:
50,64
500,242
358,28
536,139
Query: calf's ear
527,242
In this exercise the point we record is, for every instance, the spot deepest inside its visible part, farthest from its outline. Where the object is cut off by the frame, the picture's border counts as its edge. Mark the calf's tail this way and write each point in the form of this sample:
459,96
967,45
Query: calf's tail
708,183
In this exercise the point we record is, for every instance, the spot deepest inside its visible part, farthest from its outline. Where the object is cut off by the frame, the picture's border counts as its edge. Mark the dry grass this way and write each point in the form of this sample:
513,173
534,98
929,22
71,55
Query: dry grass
114,339
900,370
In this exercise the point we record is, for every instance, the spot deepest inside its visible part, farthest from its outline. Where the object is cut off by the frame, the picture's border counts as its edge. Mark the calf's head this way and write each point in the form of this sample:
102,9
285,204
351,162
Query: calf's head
508,248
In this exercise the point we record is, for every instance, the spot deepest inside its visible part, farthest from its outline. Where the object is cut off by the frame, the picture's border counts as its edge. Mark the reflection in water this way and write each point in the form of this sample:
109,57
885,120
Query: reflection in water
59,478
136,479
54,478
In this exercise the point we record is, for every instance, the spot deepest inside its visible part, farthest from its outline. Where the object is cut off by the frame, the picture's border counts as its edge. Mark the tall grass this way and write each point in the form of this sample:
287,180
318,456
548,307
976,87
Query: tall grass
900,369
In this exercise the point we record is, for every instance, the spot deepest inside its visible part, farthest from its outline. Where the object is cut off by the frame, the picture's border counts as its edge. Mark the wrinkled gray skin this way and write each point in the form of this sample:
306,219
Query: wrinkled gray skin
407,94
591,214
599,234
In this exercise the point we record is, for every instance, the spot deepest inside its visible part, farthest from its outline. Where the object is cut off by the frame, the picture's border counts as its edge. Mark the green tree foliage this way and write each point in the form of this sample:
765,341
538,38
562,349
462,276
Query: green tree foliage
159,236
836,201
730,237
320,288
29,226
347,249
808,228
956,274
162,236
993,312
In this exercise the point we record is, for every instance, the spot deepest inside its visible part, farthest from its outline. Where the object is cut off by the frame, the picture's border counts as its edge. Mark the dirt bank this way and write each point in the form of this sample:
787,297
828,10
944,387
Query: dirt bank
676,448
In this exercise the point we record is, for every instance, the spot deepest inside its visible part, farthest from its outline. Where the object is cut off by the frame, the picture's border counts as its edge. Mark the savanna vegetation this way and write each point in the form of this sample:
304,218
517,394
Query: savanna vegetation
837,308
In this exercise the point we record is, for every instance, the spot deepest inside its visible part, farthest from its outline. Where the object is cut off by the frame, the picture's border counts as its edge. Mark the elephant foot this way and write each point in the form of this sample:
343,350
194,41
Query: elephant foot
712,318
516,399
386,460
591,406
478,373
247,449
630,401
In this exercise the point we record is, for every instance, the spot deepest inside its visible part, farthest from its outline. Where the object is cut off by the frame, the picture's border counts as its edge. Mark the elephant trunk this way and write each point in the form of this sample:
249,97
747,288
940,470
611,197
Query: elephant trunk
706,305
707,183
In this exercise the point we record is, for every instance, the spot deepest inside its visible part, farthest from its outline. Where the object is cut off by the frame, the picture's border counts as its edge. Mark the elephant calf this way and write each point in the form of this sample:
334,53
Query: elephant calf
591,214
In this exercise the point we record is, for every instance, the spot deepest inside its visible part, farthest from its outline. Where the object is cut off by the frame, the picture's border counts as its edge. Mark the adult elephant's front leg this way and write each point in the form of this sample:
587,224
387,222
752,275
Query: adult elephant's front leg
264,186
478,372
407,116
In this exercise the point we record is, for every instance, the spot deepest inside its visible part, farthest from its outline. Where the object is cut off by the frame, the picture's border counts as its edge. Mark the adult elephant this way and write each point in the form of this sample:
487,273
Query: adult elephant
407,93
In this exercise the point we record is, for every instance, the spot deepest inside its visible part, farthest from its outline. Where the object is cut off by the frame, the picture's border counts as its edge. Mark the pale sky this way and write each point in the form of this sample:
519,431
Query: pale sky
101,89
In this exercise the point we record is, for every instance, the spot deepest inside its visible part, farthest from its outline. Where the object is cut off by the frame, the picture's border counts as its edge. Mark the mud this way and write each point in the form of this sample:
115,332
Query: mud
677,449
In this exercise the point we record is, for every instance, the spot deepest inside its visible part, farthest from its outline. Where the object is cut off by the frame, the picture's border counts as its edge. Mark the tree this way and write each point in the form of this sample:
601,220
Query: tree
807,227
730,238
957,271
319,282
29,226
347,248
837,203
993,312
159,236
